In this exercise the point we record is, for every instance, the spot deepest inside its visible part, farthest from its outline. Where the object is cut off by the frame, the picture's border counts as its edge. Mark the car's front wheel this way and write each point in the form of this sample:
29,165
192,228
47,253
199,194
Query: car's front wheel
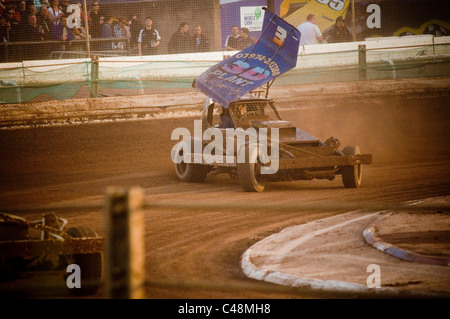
249,172
351,175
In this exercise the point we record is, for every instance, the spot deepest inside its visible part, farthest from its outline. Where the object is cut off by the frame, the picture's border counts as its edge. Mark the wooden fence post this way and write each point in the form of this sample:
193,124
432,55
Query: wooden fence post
362,62
94,76
125,246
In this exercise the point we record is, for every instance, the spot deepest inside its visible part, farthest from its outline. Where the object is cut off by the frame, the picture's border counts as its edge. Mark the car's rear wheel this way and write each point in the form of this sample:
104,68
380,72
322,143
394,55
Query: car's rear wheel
249,172
188,172
193,173
351,175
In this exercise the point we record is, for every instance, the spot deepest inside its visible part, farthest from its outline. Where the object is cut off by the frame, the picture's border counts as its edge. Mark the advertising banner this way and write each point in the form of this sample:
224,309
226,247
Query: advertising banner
326,12
252,18
275,53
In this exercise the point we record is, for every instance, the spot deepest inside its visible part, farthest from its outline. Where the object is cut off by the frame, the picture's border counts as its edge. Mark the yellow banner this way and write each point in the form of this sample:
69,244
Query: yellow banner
326,12
286,4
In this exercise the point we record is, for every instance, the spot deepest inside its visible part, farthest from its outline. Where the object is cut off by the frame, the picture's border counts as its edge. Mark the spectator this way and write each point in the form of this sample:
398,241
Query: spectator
62,31
32,31
44,2
245,40
135,30
22,11
3,8
200,41
30,8
16,17
4,29
79,32
181,41
232,40
37,4
107,28
149,39
339,32
13,24
96,18
63,4
12,16
55,12
309,31
107,32
44,20
4,37
121,30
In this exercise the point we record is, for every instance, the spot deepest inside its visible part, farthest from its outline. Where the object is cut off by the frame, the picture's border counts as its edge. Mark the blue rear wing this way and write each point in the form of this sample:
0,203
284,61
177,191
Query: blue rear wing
275,53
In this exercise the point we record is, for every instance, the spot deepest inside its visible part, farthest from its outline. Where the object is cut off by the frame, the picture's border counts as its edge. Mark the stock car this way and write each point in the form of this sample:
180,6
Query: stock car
232,85
301,155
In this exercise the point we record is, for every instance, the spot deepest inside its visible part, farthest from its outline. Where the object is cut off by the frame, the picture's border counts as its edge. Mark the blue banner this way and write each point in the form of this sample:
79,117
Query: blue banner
275,53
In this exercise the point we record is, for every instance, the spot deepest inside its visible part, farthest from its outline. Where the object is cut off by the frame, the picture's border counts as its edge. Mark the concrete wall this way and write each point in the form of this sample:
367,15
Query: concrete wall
159,106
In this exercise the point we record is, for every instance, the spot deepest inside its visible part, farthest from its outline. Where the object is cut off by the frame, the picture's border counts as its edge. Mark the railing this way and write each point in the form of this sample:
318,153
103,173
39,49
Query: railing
402,57
54,49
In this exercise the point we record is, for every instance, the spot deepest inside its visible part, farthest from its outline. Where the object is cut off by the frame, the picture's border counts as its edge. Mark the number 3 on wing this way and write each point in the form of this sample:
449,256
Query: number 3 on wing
337,5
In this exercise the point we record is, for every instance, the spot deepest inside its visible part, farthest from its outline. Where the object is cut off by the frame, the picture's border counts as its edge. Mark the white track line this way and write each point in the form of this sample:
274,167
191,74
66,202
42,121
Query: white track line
252,271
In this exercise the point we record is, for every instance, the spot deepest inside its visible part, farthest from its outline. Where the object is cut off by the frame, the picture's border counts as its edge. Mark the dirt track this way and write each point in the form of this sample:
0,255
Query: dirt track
195,254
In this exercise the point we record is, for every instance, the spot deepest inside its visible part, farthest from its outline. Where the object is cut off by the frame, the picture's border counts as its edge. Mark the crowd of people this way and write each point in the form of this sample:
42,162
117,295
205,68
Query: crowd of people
39,20
311,34
239,39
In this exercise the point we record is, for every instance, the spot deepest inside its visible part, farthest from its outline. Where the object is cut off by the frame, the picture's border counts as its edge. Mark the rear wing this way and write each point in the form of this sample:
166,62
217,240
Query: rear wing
275,53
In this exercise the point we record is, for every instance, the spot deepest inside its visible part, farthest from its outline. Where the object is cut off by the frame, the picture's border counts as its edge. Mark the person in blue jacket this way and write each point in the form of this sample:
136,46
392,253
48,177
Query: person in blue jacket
62,31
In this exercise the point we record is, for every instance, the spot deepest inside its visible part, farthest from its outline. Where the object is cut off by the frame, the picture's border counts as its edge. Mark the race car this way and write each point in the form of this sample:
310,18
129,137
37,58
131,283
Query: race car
301,156
252,141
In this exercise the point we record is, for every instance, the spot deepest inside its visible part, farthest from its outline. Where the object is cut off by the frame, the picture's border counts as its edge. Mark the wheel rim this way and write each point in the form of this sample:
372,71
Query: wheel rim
358,174
182,166
255,169
358,168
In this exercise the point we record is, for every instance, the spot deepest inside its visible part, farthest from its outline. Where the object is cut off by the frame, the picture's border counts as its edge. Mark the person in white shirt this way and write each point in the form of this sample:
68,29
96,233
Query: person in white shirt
309,31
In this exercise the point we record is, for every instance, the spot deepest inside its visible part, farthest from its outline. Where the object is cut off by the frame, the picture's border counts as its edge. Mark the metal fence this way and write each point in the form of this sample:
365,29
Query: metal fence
154,27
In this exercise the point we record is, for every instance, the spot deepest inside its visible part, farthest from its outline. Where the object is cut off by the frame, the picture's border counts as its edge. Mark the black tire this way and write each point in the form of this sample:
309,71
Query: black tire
192,173
351,175
91,265
10,267
249,173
